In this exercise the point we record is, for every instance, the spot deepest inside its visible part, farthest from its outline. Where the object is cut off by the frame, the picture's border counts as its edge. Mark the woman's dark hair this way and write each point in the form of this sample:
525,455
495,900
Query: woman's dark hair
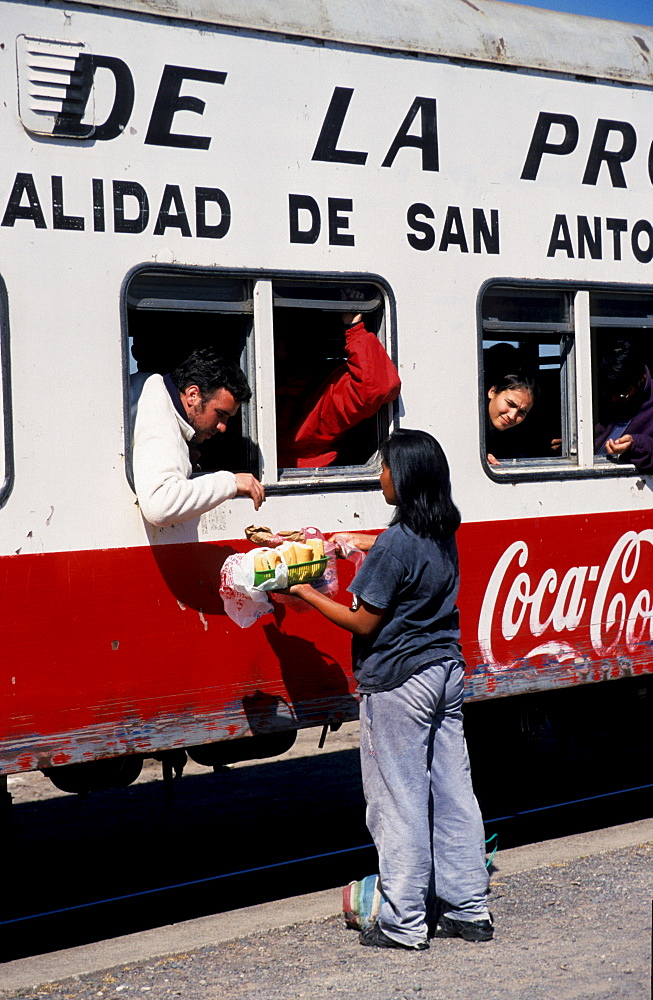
516,380
420,476
209,372
503,357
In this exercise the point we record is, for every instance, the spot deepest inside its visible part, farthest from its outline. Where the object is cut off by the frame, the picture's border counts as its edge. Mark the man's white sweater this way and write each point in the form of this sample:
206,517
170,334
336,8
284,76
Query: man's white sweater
162,468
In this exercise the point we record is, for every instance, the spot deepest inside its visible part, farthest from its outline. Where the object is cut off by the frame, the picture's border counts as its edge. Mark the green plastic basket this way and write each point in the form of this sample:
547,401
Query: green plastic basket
300,573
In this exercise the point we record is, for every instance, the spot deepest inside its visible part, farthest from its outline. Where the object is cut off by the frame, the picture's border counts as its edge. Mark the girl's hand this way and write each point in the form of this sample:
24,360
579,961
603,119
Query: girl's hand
362,542
292,591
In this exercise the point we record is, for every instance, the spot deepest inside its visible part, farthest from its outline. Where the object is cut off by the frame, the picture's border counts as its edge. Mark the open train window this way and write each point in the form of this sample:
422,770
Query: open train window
333,377
528,376
172,314
588,352
314,353
622,359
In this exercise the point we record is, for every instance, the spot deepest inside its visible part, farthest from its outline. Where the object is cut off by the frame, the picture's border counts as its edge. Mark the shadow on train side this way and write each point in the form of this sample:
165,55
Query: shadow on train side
317,686
191,572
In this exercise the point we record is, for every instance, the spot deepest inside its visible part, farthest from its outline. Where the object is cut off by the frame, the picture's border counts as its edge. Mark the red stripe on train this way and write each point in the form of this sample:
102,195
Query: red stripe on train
129,650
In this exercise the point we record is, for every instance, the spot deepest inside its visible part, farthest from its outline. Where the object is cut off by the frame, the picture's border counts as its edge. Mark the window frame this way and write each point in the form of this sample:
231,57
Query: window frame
578,385
259,368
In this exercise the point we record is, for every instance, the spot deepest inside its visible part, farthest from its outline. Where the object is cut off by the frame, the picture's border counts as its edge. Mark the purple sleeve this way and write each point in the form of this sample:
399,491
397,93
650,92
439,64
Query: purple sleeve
641,452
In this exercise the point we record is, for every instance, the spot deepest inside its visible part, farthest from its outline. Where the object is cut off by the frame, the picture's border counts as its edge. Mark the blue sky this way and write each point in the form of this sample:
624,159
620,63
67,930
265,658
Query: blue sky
636,11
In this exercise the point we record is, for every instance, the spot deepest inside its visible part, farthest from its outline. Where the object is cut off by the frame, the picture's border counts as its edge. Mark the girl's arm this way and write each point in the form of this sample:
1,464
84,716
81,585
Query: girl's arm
365,620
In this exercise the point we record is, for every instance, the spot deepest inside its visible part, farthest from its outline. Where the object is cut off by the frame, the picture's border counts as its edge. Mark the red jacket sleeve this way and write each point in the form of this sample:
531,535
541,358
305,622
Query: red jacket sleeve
355,390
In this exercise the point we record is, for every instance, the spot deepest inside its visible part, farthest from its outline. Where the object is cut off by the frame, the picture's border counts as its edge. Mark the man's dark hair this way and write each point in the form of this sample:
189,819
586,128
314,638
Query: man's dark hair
209,372
420,476
622,366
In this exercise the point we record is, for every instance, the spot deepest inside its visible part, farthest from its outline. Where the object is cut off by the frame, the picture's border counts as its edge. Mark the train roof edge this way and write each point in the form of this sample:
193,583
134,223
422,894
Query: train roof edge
487,31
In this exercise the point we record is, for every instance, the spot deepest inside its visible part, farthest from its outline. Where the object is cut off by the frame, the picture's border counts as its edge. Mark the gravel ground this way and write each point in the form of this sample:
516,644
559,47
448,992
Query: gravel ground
579,930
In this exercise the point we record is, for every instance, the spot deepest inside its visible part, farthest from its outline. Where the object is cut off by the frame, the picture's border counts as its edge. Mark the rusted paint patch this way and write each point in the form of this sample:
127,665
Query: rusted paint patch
526,678
232,721
111,739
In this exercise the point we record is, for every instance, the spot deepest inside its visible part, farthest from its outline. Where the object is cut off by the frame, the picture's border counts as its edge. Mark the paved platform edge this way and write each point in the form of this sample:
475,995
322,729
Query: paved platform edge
218,928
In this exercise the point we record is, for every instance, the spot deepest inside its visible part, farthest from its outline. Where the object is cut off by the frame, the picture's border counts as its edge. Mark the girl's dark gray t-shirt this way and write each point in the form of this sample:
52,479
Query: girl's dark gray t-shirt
415,580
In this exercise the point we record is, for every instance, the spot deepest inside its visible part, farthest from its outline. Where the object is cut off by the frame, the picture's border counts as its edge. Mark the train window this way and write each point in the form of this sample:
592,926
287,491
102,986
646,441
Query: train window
622,359
171,314
6,453
589,352
322,383
333,377
528,377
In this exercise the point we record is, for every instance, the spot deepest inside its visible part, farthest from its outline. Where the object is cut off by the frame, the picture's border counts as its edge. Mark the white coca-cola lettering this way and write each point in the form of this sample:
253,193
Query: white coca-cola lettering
613,620
628,550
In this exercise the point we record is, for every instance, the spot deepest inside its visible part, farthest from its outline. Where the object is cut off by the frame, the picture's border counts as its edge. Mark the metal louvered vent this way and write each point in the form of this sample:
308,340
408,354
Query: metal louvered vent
55,87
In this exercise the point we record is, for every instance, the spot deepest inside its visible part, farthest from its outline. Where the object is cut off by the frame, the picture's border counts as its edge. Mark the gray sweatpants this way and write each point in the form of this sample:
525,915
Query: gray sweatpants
421,809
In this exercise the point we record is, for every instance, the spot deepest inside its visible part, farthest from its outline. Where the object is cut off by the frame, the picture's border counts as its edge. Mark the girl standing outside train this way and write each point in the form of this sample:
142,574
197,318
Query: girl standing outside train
421,809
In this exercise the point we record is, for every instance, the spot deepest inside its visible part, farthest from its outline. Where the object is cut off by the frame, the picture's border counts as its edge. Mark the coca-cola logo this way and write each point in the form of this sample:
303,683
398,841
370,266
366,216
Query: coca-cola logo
610,603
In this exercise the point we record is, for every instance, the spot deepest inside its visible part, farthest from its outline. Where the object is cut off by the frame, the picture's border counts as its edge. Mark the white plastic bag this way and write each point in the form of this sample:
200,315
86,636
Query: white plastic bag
244,605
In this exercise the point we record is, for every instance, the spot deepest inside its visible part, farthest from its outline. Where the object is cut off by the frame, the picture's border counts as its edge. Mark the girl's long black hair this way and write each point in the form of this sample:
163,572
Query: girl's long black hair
420,476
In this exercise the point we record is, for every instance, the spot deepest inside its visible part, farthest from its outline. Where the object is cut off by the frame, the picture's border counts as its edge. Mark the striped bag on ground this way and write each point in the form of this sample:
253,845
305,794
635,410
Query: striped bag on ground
361,902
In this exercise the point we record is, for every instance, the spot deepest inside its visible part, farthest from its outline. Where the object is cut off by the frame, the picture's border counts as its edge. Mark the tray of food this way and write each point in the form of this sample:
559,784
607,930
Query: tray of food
305,561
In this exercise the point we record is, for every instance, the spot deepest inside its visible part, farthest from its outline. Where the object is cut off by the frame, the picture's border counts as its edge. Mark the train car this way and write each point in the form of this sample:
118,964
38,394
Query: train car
223,172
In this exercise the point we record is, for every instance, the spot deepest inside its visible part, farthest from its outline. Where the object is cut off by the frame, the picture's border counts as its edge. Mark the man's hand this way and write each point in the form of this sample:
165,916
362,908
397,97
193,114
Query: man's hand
491,460
620,446
249,486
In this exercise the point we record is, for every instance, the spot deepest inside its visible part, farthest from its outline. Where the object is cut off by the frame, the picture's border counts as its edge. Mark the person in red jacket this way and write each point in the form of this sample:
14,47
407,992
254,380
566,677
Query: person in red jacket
311,423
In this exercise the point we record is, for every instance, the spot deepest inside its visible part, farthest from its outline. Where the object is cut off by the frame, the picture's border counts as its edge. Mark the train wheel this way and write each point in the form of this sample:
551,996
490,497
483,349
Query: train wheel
96,775
247,748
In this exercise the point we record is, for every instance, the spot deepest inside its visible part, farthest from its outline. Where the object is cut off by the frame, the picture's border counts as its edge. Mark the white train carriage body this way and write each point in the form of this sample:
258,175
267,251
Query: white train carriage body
181,174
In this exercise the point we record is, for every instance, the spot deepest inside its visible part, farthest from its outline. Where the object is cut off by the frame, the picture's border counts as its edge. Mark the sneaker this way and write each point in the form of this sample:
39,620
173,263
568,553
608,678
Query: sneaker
470,930
374,937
